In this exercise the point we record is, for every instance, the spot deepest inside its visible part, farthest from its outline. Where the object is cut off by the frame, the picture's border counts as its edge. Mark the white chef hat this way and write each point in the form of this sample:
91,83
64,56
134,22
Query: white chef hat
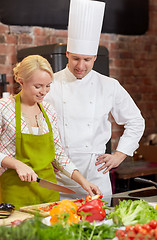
84,27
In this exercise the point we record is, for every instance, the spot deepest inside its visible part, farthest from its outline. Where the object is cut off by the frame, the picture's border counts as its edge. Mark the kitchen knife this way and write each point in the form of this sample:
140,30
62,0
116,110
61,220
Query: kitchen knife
143,180
53,186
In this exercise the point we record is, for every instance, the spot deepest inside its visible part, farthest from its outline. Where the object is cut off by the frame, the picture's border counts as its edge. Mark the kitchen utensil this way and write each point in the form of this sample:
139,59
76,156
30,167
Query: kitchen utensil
143,180
144,193
53,186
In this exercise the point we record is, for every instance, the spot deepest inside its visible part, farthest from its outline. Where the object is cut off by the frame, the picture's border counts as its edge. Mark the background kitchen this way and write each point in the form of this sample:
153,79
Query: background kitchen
129,34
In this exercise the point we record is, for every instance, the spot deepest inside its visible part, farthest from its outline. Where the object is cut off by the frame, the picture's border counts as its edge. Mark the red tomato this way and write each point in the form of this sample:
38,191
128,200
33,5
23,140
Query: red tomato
131,235
153,224
137,227
143,231
152,233
155,233
129,228
120,233
147,227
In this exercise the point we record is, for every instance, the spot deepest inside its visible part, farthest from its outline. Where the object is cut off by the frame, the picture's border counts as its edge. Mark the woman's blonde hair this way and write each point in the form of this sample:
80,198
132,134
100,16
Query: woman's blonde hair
28,65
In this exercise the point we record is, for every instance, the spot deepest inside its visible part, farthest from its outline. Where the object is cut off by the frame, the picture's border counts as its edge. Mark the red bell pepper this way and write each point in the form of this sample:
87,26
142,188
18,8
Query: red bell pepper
94,208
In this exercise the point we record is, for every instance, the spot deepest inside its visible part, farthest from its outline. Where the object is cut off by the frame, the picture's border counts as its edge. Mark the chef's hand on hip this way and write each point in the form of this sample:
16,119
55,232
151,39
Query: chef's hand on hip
25,172
109,161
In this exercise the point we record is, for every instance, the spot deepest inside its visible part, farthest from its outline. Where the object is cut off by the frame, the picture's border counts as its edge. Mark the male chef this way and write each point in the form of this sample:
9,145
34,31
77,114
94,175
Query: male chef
83,99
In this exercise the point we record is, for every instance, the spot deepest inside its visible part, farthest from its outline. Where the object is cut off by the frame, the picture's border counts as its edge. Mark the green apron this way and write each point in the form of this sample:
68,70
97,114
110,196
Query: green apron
37,151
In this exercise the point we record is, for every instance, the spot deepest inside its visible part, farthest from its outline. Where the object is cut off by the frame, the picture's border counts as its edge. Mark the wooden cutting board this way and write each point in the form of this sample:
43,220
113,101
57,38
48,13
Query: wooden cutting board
16,215
36,209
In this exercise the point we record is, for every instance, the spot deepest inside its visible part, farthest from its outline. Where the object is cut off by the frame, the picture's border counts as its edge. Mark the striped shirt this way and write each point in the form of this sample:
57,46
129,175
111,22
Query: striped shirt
8,133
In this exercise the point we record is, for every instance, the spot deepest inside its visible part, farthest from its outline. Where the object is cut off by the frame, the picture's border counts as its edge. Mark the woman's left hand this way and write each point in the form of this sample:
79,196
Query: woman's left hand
86,185
91,188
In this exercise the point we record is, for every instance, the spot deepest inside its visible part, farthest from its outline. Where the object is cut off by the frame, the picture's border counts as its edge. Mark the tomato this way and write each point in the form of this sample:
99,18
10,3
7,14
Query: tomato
147,227
120,233
131,235
152,233
137,227
129,228
153,224
155,233
143,231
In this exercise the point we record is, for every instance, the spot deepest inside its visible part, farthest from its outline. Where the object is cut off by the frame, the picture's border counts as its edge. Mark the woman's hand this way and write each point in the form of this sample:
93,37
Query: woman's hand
110,161
24,172
86,185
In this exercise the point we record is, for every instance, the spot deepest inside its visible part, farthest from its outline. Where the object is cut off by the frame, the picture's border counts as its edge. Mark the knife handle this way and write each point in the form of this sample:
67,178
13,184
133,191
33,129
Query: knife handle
38,179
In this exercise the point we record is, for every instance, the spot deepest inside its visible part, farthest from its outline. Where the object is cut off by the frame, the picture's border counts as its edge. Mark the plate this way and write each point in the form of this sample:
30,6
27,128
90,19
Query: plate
109,222
46,221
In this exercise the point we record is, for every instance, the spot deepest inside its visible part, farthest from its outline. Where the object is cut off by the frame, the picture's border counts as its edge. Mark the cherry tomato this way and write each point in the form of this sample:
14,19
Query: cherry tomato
155,233
137,227
131,235
152,233
120,233
143,231
147,227
129,228
153,224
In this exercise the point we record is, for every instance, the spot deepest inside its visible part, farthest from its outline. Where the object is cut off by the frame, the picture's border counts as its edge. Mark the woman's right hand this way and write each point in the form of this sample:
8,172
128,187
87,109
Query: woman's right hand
24,172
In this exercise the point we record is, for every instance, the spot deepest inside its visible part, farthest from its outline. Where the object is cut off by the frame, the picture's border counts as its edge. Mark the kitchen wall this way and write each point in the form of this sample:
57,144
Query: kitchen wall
133,61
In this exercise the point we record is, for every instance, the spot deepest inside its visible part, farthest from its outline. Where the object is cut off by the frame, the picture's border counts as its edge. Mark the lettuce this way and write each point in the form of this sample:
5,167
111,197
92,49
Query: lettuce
130,212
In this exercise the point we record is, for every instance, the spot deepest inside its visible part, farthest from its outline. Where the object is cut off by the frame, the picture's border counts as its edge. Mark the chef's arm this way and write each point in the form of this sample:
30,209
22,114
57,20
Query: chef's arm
126,113
24,172
88,186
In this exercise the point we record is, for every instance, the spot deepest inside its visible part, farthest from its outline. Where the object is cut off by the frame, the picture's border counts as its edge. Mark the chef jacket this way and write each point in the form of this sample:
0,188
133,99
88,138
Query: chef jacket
83,107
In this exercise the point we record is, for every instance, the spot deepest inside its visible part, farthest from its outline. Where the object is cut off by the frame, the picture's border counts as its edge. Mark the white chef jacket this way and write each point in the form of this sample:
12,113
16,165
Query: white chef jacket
83,107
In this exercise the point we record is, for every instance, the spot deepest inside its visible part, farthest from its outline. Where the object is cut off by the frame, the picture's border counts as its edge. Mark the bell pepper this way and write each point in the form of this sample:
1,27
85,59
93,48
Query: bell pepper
95,210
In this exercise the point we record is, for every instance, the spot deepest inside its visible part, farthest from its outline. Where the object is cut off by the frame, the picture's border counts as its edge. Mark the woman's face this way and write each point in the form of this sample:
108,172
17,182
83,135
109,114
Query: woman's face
36,87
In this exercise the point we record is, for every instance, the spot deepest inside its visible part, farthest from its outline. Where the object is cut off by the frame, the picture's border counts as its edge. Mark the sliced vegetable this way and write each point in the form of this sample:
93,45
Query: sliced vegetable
64,212
89,198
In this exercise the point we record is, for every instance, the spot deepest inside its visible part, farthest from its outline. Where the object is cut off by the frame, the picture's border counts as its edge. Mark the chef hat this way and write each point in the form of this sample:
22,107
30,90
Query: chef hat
84,27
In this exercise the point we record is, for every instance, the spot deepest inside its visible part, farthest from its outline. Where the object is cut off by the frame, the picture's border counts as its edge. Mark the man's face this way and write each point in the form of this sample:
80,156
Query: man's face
80,65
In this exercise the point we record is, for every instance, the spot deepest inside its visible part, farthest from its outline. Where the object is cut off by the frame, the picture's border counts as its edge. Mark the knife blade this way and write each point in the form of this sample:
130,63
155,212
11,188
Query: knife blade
53,186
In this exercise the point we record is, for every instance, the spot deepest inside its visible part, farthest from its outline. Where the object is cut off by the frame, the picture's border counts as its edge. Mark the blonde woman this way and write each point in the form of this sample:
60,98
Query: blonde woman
29,139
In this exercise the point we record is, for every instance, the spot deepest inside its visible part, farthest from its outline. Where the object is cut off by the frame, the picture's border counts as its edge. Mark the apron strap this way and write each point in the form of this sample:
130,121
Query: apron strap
18,114
46,117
